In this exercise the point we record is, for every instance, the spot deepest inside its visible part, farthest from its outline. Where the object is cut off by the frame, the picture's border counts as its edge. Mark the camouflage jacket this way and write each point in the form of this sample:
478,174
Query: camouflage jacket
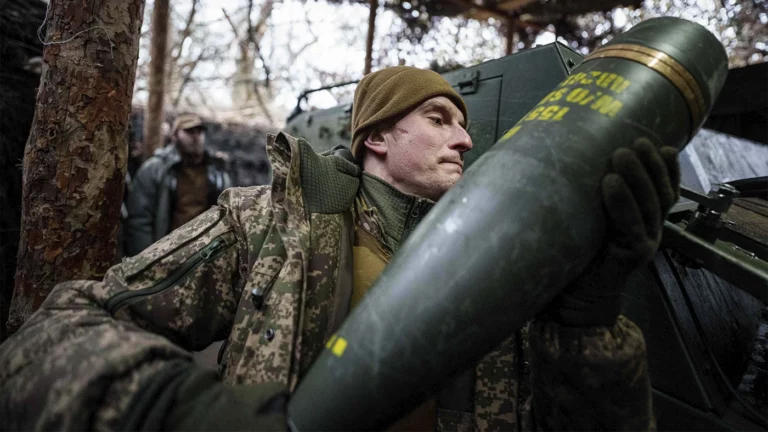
269,270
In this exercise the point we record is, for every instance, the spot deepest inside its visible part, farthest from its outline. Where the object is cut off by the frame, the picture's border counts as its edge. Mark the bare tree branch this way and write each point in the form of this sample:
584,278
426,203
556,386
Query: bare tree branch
267,72
255,33
251,36
309,24
250,44
185,33
186,78
263,106
264,14
302,49
203,99
231,23
203,56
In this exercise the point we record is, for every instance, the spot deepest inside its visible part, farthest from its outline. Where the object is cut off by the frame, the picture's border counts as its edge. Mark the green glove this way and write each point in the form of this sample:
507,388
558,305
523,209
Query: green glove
205,404
643,183
184,397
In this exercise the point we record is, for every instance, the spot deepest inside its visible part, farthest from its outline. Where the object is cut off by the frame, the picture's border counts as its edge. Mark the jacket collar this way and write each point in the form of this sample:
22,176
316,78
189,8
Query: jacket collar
327,182
330,181
399,213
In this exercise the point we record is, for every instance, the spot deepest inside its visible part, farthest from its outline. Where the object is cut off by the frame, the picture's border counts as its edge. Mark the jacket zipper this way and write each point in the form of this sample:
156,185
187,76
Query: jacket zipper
120,300
132,274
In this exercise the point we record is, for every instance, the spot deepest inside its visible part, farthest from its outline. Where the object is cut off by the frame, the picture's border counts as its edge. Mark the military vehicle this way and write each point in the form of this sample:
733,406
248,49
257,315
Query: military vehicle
701,303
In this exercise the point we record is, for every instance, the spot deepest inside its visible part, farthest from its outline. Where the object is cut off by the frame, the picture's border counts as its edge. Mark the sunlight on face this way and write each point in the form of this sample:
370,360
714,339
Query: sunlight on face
425,149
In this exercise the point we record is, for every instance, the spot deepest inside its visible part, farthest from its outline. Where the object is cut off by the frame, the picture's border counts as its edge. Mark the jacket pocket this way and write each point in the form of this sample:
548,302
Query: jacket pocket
169,261
455,421
252,305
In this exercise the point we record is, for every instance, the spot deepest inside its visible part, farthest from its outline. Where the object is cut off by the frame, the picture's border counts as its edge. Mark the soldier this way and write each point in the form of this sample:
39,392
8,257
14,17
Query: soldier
275,269
174,186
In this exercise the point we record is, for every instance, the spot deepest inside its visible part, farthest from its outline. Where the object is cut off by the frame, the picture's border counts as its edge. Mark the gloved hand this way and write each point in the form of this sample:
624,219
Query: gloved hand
182,396
643,183
205,404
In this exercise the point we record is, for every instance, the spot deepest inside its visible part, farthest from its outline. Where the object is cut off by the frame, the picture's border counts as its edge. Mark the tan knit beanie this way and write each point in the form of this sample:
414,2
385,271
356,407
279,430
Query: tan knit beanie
391,92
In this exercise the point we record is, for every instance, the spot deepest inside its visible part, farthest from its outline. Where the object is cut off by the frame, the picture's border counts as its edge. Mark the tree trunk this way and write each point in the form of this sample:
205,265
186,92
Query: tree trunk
153,138
19,20
373,5
74,161
243,88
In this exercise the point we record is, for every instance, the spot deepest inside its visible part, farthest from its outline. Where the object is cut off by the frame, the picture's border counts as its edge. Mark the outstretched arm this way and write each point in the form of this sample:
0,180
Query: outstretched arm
112,354
590,369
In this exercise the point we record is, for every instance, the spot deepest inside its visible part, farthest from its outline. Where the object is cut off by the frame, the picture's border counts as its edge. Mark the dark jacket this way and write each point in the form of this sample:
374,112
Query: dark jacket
150,204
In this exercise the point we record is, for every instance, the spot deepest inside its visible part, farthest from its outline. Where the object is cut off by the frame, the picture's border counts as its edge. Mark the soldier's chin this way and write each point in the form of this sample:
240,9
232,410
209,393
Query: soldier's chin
191,152
451,180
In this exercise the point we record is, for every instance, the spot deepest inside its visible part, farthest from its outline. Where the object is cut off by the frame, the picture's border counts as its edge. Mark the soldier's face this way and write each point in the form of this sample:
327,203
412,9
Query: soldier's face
191,142
425,149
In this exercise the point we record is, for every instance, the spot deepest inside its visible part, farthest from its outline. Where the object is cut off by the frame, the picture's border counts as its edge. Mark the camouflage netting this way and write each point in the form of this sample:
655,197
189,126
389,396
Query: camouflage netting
20,52
419,16
246,147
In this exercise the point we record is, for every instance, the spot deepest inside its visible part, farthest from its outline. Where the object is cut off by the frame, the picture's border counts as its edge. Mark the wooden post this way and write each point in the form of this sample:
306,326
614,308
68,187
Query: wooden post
512,29
155,114
373,6
75,157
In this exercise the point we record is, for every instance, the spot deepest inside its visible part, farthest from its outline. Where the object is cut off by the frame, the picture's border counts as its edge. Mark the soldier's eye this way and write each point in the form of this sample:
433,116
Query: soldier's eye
437,120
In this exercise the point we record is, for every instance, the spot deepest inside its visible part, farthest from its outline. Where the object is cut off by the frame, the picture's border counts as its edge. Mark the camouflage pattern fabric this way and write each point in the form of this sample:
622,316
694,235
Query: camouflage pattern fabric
611,368
271,278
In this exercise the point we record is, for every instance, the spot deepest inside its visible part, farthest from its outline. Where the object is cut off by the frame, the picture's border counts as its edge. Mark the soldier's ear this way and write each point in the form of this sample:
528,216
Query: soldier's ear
376,142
